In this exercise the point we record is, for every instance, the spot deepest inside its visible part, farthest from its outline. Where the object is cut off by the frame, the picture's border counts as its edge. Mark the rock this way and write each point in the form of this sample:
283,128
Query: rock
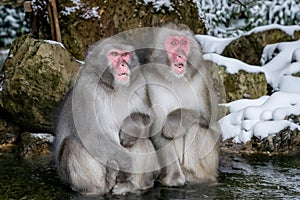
284,142
34,144
84,22
249,48
35,77
237,86
8,132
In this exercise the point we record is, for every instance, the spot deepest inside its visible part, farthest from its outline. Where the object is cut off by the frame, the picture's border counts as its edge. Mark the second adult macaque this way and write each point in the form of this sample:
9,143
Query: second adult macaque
88,153
184,132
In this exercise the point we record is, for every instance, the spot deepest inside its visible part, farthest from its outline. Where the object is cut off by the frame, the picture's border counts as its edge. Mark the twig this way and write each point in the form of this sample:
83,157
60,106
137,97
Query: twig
52,10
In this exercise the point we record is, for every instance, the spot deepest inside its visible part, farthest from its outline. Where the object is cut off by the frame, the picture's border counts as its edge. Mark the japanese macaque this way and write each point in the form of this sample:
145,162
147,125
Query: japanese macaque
185,131
107,101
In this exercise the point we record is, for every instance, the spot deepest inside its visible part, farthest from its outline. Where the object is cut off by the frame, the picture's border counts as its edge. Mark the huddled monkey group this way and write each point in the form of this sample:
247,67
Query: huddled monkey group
125,125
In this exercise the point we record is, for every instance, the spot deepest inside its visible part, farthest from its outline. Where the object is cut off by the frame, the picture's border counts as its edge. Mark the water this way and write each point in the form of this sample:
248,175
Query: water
241,177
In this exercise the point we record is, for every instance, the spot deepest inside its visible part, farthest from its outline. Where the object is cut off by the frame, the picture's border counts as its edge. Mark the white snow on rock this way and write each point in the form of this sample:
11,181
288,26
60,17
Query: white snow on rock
260,117
46,137
266,115
54,43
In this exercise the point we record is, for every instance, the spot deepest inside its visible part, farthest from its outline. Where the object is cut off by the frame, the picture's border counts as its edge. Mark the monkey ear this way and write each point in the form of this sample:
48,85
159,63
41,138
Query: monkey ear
134,59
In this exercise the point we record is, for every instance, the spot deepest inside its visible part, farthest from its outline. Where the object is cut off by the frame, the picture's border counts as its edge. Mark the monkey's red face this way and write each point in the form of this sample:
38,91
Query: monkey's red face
178,48
119,60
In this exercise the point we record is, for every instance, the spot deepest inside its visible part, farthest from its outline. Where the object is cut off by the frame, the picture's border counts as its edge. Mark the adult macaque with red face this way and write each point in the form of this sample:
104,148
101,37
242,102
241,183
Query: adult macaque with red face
184,132
178,47
107,101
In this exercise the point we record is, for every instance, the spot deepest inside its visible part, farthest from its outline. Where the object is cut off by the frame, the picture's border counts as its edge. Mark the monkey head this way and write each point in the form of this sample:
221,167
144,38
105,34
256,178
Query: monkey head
177,50
112,61
119,61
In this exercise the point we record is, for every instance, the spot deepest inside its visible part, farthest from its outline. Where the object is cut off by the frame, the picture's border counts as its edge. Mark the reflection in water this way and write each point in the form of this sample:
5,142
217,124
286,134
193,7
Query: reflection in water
240,177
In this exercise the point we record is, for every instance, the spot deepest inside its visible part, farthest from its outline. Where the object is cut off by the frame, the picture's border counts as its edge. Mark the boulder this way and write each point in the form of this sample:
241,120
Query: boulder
285,142
84,22
243,84
35,77
249,48
34,144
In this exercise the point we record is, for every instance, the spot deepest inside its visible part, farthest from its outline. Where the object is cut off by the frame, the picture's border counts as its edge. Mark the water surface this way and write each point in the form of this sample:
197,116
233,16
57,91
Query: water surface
241,177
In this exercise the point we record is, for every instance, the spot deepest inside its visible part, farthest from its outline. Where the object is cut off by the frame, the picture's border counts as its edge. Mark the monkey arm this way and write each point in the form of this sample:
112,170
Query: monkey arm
179,120
133,127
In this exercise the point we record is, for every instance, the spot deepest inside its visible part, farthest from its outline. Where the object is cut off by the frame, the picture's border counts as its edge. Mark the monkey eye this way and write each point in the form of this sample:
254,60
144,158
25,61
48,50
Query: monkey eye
174,42
184,42
125,54
113,53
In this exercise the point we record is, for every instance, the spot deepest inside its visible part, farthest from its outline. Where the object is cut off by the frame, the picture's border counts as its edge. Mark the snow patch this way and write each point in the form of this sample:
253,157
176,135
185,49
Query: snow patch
260,117
232,65
284,63
91,12
287,29
54,43
160,4
212,44
43,136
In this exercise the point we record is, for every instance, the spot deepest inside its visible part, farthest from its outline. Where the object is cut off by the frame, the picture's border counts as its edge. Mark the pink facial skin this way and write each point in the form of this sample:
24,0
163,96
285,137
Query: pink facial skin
178,47
119,60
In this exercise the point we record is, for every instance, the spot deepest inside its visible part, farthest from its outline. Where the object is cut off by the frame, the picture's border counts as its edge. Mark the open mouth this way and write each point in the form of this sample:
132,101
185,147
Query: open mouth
123,74
179,68
179,65
123,77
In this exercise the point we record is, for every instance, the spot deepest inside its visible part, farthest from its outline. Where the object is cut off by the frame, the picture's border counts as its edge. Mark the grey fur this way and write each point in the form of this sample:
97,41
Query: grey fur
88,153
185,131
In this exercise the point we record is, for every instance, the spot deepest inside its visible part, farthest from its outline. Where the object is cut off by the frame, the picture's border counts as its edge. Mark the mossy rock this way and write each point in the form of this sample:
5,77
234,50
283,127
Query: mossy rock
249,48
285,142
238,86
93,20
36,76
8,132
33,144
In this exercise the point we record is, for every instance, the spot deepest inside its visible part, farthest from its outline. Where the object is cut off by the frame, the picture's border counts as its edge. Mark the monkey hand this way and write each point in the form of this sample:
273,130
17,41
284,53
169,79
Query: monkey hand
181,119
172,130
127,140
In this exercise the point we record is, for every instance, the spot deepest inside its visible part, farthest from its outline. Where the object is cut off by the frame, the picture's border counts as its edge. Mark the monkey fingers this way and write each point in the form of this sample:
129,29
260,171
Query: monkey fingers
179,120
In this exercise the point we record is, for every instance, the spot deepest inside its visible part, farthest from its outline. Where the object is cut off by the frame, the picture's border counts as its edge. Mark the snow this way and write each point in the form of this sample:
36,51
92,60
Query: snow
43,136
287,29
54,43
232,65
90,12
266,115
213,44
159,4
260,117
283,64
225,18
